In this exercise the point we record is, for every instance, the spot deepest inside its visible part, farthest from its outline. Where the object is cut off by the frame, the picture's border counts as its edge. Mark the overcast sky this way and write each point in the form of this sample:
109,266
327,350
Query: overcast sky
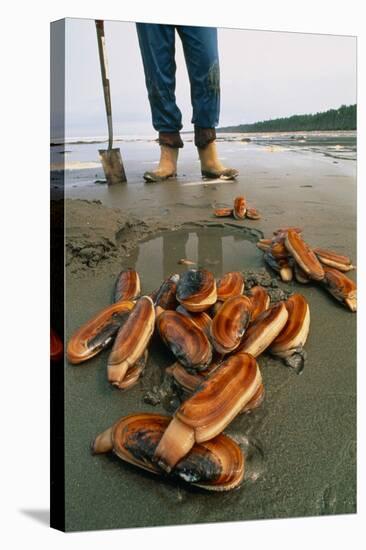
263,75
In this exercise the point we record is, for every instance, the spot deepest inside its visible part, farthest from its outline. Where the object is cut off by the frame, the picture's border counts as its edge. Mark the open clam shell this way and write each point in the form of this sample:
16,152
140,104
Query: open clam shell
229,324
333,259
240,208
303,255
260,334
231,284
341,287
216,465
260,300
127,286
132,340
253,214
98,333
165,295
223,212
185,339
211,408
196,290
295,332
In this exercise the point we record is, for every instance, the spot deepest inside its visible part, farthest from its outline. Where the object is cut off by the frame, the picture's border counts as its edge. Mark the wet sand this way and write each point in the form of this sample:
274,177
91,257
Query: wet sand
302,441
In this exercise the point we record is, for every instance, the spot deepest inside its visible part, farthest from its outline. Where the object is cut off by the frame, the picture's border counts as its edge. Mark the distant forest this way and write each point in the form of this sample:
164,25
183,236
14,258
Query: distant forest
343,118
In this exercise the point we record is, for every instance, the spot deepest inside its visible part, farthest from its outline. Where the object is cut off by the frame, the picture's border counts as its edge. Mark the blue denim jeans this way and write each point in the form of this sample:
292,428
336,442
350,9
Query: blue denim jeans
157,45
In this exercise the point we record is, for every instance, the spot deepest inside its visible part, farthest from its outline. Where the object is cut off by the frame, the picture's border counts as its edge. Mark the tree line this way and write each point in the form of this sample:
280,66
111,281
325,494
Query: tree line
344,118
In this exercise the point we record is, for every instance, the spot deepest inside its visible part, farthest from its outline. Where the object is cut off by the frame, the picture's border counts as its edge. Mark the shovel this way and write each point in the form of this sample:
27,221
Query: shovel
111,157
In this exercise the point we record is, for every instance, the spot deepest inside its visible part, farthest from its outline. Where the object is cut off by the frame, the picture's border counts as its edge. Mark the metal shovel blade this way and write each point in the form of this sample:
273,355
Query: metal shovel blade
112,166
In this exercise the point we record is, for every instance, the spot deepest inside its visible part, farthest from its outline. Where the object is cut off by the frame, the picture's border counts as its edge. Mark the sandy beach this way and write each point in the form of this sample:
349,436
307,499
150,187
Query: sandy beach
301,442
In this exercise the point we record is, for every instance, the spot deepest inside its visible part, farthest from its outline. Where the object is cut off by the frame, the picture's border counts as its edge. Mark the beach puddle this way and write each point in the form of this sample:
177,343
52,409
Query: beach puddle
218,249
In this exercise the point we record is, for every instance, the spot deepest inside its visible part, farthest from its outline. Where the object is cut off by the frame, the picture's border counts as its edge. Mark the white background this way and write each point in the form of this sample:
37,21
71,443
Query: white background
24,337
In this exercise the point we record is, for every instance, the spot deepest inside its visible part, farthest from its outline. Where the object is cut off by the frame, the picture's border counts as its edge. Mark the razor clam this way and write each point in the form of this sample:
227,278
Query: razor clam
231,284
97,333
303,255
292,338
215,465
202,319
300,275
133,373
252,214
132,340
260,334
260,300
127,286
264,244
185,339
240,208
280,265
196,290
212,407
341,287
333,259
223,212
165,295
229,324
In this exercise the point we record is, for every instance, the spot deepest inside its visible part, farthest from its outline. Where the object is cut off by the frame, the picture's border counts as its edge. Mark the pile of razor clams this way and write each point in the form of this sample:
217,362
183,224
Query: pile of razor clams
216,330
290,255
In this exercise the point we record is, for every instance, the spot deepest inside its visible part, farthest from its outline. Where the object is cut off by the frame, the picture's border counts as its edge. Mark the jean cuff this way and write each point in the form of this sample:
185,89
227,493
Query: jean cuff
171,139
203,136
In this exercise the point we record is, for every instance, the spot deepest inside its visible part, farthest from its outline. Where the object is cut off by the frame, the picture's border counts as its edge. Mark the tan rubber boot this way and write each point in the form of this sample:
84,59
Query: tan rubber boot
211,166
167,165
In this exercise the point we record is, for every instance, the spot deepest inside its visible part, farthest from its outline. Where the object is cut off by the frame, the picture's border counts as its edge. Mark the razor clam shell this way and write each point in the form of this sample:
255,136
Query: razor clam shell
240,208
165,295
295,332
229,324
252,214
231,284
133,373
264,330
341,287
98,333
217,465
260,300
303,255
127,286
333,259
300,275
132,340
264,244
185,339
201,319
196,290
223,212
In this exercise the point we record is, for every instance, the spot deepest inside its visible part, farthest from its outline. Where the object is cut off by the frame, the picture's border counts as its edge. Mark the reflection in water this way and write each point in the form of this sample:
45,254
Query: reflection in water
214,248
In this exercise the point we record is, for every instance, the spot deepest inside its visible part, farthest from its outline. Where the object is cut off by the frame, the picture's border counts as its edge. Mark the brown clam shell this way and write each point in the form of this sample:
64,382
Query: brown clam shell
256,401
202,320
216,465
229,324
333,259
253,214
240,208
133,373
97,333
296,329
132,340
189,382
223,212
264,244
303,255
127,286
260,334
279,250
260,300
185,339
341,287
231,284
196,290
280,265
214,405
165,295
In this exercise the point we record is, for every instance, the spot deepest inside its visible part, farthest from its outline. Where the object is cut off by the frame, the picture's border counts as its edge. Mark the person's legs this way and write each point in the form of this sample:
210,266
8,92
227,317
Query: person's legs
202,59
157,45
